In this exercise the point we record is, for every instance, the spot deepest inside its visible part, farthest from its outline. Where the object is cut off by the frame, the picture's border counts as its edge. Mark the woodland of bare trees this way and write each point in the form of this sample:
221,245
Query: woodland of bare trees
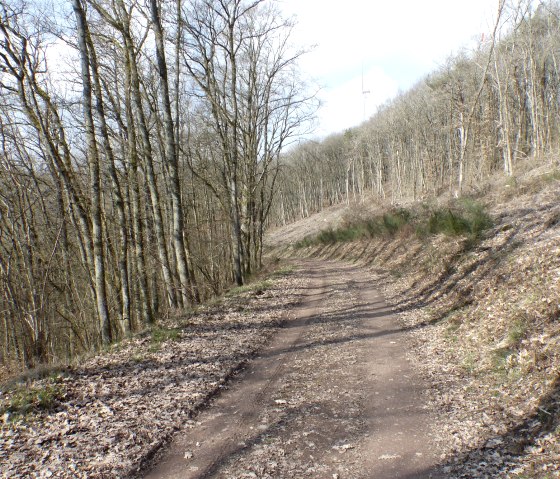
480,113
140,149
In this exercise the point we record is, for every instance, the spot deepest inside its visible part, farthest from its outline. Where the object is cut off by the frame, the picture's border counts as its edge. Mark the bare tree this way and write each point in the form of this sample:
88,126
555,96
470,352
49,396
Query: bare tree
238,56
172,157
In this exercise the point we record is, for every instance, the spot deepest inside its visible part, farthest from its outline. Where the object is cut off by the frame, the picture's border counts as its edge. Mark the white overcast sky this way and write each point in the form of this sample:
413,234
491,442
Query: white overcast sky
395,42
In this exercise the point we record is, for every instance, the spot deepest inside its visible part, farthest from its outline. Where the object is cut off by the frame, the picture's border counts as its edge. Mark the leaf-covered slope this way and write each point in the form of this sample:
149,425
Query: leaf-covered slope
486,321
108,415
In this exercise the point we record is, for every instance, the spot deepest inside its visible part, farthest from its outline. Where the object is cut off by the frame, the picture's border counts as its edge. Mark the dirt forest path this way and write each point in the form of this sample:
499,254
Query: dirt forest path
332,396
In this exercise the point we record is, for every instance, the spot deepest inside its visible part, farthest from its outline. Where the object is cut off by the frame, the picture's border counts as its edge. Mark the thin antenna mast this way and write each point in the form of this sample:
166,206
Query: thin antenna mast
364,93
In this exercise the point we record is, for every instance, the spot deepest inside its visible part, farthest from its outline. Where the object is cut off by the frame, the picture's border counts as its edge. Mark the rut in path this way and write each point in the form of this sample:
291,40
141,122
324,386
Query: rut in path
332,396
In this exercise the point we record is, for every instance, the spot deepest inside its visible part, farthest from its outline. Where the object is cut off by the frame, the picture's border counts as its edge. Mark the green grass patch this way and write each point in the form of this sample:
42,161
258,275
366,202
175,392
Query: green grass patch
257,286
465,217
499,359
161,335
141,357
502,368
25,399
517,332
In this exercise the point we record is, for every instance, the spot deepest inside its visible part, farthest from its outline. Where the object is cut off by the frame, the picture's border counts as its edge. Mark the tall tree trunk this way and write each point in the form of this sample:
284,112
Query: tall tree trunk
124,321
171,157
95,178
148,157
143,288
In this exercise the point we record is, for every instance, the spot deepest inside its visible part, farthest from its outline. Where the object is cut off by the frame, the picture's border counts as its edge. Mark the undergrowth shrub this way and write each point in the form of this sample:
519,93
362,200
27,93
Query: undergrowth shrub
395,220
477,218
447,222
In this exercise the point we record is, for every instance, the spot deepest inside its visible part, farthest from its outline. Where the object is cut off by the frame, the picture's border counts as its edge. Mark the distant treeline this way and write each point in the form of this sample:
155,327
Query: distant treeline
480,113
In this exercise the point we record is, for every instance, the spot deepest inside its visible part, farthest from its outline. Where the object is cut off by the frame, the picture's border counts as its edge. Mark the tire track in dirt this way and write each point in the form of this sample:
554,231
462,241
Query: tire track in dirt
332,396
219,431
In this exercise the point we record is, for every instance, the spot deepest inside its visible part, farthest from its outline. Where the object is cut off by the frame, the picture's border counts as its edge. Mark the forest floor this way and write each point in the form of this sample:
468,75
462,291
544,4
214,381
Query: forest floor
398,356
107,416
329,394
332,396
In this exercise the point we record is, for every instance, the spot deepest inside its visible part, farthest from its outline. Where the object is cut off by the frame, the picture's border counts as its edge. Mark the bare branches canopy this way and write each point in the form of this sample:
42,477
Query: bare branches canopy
140,143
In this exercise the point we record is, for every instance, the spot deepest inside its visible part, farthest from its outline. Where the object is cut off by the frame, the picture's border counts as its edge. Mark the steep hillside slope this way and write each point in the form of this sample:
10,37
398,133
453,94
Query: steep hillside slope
487,329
